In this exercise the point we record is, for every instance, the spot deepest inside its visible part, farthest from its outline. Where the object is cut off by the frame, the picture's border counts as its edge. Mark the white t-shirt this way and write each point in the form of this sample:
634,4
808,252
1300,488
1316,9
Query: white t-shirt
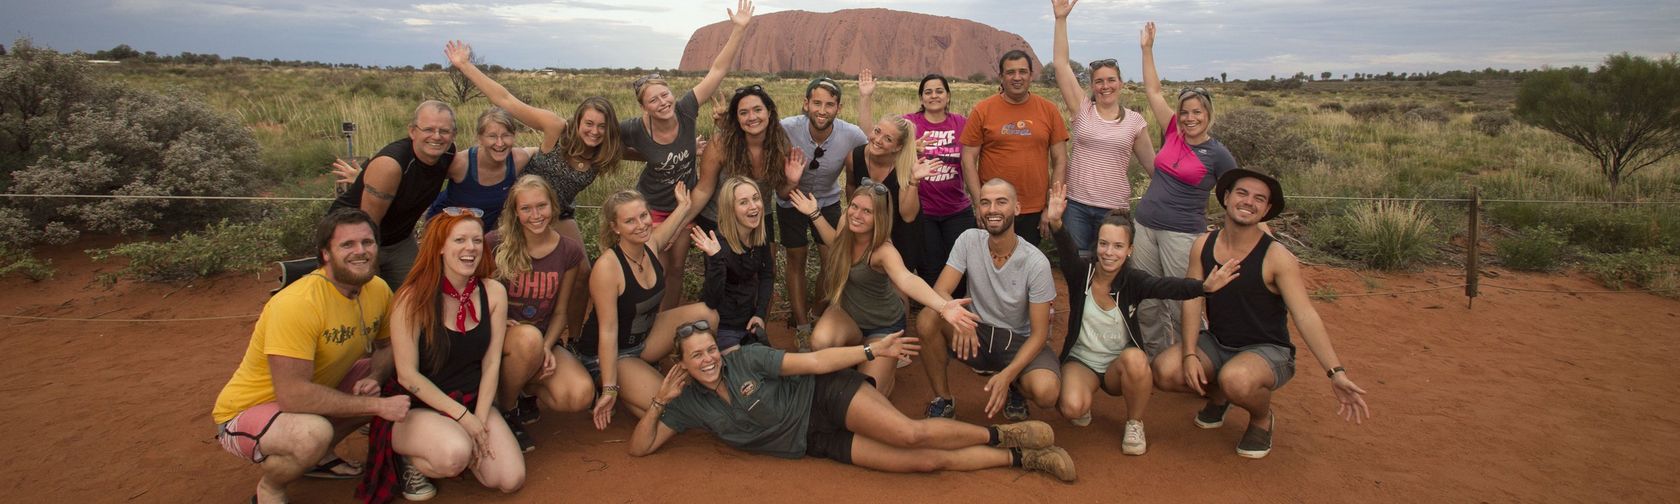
1003,296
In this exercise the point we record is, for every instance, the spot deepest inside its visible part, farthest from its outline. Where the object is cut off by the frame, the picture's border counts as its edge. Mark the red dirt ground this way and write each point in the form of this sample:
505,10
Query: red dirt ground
1526,397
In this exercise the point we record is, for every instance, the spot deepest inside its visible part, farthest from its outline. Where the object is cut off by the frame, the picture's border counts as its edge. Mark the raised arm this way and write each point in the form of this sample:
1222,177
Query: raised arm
834,359
711,161
551,125
887,259
1287,276
866,102
667,230
910,198
1073,96
807,206
740,17
1152,80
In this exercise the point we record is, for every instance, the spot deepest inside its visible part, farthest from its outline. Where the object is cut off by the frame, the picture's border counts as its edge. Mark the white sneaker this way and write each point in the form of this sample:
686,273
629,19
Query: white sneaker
1083,420
1134,443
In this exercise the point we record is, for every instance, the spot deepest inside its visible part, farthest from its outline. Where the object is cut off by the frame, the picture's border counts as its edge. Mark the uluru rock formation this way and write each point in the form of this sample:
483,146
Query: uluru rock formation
892,43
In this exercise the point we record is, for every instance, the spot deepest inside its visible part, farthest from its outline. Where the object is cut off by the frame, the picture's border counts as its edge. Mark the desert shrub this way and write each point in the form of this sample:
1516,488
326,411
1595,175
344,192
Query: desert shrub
1371,110
1383,235
1265,142
1456,81
1491,123
1644,268
1538,248
1625,114
1330,107
1262,101
218,248
294,226
111,139
25,264
1273,85
1429,114
1597,229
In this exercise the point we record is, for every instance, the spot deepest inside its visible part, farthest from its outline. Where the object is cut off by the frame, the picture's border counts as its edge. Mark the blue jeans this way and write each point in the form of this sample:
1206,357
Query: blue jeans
1081,222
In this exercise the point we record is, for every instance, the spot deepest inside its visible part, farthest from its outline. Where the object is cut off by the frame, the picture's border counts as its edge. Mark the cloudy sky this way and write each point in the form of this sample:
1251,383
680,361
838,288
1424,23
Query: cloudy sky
1247,38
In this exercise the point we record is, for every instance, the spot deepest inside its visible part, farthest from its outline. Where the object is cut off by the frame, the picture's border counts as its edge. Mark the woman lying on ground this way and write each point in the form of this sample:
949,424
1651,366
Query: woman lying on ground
740,270
790,405
866,277
447,325
1101,348
540,267
625,337
664,137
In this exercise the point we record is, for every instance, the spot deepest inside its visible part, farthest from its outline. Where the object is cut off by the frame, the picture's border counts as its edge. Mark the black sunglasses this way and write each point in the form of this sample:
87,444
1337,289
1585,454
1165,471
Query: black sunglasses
878,187
1195,90
755,88
1110,62
683,331
815,155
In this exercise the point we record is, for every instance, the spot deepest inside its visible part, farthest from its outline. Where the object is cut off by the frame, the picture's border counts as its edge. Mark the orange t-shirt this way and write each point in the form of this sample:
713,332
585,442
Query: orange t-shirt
1015,142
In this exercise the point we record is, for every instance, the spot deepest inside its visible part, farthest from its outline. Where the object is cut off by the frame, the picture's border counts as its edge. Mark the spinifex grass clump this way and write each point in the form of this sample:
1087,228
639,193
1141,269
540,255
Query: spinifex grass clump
1382,235
1538,248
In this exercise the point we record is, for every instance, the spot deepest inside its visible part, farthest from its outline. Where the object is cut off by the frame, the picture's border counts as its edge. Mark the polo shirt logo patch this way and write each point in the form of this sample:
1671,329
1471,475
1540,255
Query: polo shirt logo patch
749,387
1018,128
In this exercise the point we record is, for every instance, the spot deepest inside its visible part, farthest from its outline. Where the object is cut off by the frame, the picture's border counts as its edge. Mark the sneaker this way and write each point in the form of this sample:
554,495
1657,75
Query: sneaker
1083,420
1016,408
1134,443
526,444
1257,442
415,486
529,412
1053,460
1028,434
942,408
1212,416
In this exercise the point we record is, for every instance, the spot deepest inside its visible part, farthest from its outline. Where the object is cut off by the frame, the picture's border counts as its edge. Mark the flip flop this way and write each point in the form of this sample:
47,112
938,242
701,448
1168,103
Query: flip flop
326,470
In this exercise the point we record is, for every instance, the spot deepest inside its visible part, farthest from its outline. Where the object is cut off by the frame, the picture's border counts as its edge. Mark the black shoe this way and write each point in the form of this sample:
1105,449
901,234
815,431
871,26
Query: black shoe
526,444
528,410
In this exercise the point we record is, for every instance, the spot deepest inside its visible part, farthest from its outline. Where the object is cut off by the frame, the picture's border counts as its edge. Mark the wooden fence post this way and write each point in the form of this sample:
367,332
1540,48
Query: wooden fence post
1472,256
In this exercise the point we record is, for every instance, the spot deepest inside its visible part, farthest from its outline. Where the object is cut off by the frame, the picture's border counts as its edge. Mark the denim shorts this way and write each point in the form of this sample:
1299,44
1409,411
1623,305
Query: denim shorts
593,362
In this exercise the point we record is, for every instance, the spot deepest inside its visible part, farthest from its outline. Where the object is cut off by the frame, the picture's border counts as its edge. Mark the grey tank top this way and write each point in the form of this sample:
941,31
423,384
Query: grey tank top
870,298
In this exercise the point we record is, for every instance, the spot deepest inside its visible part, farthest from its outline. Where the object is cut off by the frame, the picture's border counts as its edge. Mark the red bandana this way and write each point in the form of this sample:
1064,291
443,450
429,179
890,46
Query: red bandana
464,297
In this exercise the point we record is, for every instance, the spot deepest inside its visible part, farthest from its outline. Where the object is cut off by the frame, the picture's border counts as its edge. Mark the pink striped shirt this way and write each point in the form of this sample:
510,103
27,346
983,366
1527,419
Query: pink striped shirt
1097,174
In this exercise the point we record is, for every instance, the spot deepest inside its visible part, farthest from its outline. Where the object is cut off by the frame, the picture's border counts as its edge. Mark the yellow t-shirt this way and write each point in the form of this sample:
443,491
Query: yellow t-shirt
307,320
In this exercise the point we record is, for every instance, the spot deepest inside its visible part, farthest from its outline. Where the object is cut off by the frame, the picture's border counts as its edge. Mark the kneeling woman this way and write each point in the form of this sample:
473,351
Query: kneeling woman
864,269
1102,349
740,270
447,324
628,333
790,405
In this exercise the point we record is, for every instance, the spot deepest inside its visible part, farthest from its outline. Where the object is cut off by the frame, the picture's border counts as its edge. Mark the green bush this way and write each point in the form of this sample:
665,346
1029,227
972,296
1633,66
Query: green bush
1491,123
25,264
1538,248
1265,142
1644,268
1384,235
220,247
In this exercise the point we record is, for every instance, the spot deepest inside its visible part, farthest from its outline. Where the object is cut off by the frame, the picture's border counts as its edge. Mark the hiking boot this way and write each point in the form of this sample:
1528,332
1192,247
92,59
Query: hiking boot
415,486
942,408
1028,434
526,444
1016,408
529,412
1134,443
1083,420
1212,416
1053,460
1257,442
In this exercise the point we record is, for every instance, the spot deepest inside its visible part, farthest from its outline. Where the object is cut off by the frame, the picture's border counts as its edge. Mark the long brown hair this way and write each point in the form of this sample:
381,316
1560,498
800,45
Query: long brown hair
511,259
737,159
839,261
418,296
602,158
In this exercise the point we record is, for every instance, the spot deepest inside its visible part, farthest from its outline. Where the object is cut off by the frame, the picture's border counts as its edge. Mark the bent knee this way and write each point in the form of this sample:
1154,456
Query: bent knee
1074,407
568,397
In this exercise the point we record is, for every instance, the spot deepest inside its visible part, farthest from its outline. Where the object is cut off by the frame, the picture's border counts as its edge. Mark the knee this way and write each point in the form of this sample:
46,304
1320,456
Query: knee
449,457
912,435
1074,407
568,396
312,437
523,342
1168,377
1237,381
511,482
1134,365
927,327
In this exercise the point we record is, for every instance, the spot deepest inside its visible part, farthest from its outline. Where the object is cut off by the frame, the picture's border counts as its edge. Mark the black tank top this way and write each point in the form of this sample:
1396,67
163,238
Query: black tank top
463,358
1245,312
637,307
419,185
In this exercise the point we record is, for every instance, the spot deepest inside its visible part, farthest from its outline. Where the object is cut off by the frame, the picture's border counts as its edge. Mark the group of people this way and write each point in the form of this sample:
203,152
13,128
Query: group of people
445,345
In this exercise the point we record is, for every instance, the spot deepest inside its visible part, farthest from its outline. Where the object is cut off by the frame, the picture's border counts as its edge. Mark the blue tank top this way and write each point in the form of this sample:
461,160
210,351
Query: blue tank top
469,193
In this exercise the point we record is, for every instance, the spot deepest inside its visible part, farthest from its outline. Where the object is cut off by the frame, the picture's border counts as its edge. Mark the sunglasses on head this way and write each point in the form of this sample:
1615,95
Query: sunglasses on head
755,88
1110,62
878,187
456,211
683,331
1201,91
643,80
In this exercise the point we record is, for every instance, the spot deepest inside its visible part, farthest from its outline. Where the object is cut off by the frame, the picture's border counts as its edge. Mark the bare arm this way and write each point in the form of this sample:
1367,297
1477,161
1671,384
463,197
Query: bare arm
710,162
297,392
1287,276
741,16
492,363
405,351
1073,96
558,322
997,387
651,433
834,359
1152,80
910,198
807,205
551,125
667,230
606,282
1058,164
379,186
866,90
971,173
1143,148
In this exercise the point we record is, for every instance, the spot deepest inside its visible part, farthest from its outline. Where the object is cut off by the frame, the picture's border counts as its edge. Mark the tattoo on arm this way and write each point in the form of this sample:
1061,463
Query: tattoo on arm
379,194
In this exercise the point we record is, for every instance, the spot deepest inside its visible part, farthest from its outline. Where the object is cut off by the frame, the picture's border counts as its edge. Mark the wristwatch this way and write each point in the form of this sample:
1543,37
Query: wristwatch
868,354
1332,372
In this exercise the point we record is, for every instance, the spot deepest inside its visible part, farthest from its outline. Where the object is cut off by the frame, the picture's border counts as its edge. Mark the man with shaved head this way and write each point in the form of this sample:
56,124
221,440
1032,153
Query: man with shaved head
400,182
1009,281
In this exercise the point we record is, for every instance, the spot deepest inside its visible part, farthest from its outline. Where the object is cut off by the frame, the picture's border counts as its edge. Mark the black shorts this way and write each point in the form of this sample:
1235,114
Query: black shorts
826,435
998,347
796,226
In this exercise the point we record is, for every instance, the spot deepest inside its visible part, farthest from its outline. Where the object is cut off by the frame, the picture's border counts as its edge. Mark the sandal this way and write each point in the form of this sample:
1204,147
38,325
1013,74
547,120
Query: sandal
329,470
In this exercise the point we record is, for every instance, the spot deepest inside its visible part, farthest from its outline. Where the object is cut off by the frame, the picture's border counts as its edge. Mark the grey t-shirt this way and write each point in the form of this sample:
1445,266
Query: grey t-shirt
666,163
823,182
767,413
1002,296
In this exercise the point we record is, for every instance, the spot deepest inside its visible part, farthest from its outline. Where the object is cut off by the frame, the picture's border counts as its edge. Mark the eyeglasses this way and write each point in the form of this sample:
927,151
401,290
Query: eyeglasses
815,155
1182,93
872,185
436,131
1110,62
456,211
683,331
755,88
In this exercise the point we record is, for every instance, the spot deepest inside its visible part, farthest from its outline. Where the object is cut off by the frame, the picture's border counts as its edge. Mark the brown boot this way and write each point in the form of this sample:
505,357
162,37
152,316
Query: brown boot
1053,460
1028,434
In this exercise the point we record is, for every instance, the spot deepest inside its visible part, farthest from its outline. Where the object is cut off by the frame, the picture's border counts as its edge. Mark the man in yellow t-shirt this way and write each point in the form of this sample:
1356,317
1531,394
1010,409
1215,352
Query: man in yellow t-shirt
307,378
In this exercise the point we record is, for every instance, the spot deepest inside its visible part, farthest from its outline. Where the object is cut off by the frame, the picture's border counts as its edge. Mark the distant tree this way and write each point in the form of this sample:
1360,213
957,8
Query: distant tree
1079,71
431,67
1626,114
2,49
122,52
1222,77
1344,77
1324,76
457,87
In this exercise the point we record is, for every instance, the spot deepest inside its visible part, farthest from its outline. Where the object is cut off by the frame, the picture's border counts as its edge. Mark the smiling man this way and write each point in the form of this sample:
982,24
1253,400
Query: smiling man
1018,137
825,140
400,182
307,378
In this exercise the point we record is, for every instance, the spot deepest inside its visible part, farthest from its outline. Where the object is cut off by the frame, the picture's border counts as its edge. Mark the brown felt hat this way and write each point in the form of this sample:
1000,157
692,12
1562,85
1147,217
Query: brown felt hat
1230,178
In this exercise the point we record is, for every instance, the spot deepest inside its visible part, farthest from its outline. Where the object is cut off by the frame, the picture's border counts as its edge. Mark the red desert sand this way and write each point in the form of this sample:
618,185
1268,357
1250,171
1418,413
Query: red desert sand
1525,397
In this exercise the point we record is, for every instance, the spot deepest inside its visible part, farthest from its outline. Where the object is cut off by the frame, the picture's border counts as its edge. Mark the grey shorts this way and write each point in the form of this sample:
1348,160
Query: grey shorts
1280,358
998,347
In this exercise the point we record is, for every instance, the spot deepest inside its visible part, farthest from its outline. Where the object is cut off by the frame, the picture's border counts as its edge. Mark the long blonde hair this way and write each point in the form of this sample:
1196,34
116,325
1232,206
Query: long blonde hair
730,230
905,161
511,259
609,213
838,264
